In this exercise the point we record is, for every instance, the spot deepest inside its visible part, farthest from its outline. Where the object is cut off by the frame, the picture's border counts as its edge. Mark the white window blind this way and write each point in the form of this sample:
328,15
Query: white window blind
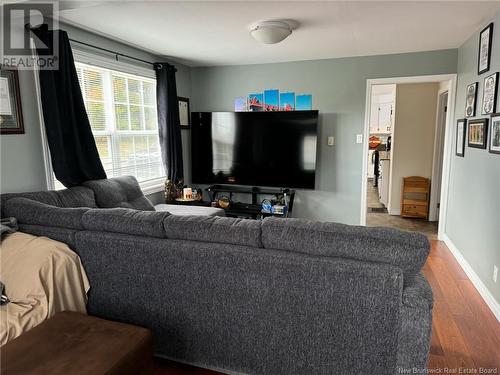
121,108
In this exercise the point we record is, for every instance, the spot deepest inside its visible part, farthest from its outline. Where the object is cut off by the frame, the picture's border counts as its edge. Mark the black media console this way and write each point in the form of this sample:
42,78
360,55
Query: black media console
254,209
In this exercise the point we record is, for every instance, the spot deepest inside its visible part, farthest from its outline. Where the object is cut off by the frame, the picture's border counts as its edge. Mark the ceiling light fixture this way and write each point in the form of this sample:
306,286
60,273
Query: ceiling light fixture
271,32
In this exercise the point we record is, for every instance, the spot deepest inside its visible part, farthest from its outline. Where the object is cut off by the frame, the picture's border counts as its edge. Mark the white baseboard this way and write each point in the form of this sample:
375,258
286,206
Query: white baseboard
395,212
474,278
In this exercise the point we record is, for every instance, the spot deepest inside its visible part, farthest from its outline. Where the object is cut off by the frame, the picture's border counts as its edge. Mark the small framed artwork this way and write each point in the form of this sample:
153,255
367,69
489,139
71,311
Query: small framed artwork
484,55
470,101
490,89
11,114
461,131
184,114
478,132
495,134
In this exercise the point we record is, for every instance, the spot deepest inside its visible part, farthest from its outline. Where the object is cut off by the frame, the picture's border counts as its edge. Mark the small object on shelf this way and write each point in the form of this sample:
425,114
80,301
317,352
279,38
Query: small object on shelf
415,197
279,209
224,202
187,194
267,206
170,191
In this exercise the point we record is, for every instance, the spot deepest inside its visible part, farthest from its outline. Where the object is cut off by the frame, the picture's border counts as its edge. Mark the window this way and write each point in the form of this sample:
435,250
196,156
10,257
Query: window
121,108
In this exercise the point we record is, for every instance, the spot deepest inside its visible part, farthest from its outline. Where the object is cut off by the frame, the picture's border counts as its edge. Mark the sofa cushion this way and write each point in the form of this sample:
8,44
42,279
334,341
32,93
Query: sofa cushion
214,229
27,211
78,196
126,220
119,192
407,250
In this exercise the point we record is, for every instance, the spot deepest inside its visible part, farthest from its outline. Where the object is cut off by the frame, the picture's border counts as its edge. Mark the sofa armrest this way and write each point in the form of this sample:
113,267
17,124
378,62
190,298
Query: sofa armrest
415,328
417,292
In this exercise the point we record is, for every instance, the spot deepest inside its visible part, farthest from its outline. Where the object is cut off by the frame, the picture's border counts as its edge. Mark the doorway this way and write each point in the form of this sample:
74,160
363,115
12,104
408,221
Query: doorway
383,174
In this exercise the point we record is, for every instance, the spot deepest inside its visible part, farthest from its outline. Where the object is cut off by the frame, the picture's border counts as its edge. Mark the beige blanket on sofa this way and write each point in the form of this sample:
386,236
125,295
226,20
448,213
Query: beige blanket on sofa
41,277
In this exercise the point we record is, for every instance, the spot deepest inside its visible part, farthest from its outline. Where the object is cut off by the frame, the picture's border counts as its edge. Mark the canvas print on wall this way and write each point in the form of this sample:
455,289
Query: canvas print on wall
303,103
240,104
287,101
484,57
271,100
470,101
490,94
461,130
256,102
478,131
495,134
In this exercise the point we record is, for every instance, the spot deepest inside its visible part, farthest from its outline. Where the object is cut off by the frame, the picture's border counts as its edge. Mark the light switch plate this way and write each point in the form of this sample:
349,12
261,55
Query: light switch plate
331,141
359,138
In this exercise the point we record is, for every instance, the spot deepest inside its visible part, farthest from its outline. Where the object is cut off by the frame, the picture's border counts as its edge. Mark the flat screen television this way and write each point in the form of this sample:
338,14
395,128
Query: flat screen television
254,148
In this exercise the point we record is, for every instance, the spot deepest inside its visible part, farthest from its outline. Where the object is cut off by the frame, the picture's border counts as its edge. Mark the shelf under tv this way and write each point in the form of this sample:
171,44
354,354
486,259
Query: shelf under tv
253,209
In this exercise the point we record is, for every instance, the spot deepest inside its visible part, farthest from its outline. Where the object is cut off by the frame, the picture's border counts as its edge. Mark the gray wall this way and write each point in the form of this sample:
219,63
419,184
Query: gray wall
22,164
473,222
338,87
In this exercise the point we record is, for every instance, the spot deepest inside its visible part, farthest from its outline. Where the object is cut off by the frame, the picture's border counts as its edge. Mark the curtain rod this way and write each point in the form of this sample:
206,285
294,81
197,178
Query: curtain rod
115,53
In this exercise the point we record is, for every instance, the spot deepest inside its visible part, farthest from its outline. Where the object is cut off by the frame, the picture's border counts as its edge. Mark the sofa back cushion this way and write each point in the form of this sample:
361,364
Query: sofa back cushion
122,192
78,196
406,250
214,229
126,220
28,211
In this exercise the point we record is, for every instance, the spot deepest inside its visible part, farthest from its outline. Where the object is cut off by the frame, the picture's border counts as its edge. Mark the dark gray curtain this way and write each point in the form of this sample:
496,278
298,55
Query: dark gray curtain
73,151
168,121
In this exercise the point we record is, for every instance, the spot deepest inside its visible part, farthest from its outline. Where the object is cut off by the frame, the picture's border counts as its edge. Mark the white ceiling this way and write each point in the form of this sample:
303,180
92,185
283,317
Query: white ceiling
206,33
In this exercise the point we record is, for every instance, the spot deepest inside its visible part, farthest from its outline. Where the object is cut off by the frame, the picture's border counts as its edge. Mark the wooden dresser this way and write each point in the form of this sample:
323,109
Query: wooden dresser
415,197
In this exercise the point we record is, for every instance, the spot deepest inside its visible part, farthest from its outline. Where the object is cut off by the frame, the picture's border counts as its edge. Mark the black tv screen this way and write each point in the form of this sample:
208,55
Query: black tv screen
254,148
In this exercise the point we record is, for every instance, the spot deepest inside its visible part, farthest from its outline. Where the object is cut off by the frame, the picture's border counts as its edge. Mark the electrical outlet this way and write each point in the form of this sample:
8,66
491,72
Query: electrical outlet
331,141
495,273
359,138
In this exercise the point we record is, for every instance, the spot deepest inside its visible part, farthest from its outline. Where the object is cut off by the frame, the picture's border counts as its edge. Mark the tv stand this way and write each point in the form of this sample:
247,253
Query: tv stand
254,209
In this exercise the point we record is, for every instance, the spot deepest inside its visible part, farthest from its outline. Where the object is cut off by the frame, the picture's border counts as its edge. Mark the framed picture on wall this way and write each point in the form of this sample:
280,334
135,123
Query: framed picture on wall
478,132
11,114
484,55
461,131
490,89
184,114
495,134
470,100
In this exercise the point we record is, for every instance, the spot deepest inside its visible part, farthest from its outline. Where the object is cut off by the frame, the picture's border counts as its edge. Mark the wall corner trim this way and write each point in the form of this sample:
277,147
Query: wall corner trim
474,278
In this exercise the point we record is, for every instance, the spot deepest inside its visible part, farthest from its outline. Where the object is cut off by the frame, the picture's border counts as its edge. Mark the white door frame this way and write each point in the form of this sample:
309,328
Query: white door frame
437,156
447,154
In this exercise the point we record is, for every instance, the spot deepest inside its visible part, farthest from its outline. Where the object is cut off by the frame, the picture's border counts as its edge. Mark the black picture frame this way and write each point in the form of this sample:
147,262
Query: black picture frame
184,112
461,133
494,136
489,88
477,133
11,123
471,100
484,50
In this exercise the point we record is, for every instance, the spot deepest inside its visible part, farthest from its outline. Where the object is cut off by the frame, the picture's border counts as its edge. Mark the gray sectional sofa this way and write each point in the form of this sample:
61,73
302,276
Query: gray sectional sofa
278,296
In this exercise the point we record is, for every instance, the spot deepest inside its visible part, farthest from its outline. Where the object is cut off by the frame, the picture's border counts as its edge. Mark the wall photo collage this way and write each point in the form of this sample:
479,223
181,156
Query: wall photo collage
273,100
478,134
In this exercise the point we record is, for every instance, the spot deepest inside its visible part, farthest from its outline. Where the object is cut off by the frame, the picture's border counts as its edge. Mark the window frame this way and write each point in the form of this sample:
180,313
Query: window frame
124,68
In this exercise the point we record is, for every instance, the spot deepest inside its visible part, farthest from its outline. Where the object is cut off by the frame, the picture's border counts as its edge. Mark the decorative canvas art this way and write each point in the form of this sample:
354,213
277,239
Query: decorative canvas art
287,101
303,102
240,104
256,102
271,100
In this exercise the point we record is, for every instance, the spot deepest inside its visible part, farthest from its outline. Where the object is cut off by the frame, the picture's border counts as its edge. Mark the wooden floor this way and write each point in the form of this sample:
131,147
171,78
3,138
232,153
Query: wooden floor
465,333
